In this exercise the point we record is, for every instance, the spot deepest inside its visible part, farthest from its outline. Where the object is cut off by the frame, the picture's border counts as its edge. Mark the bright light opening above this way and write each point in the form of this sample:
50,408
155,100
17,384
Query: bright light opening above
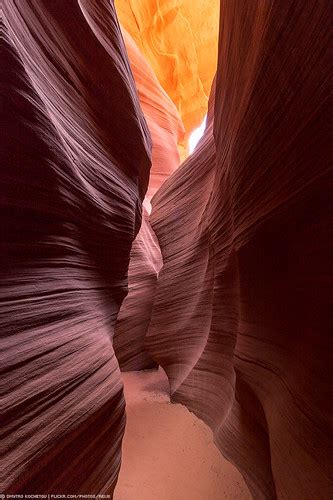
196,135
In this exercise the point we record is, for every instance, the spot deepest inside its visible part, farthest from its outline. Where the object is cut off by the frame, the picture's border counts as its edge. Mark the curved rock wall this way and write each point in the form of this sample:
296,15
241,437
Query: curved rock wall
134,316
240,318
164,123
166,129
179,40
240,321
74,171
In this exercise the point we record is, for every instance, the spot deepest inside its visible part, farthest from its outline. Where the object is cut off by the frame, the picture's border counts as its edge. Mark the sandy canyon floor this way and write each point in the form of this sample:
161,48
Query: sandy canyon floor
168,453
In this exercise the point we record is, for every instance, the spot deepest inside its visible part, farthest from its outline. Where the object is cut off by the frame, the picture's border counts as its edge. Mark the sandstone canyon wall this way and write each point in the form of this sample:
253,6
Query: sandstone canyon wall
179,40
74,171
238,314
240,320
166,131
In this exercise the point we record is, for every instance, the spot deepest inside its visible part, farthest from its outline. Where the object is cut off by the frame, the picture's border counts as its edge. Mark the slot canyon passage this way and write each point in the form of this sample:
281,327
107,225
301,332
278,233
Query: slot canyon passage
194,286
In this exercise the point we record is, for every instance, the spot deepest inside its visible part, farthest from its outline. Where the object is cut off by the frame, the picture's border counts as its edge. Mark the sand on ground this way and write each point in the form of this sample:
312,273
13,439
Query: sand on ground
168,453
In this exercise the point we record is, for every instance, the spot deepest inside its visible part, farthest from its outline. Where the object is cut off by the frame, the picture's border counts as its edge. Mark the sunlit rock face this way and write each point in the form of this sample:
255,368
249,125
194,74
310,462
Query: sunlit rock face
189,88
75,163
240,320
179,40
163,120
166,131
238,314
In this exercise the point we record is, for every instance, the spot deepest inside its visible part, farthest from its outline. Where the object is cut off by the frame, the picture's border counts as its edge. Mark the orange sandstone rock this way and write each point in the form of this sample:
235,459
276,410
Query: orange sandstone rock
163,120
240,321
179,40
166,130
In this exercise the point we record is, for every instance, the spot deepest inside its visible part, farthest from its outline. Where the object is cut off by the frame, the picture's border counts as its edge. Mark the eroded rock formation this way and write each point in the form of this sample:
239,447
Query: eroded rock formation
166,131
74,171
239,313
240,318
179,40
134,316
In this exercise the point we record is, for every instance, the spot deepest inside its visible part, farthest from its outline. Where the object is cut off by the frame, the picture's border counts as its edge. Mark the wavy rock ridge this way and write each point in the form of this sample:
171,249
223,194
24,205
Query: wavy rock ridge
239,322
179,40
74,171
238,314
166,129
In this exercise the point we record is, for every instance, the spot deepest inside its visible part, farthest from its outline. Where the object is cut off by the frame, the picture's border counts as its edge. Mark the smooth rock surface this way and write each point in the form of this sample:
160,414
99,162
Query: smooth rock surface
240,321
179,40
74,170
166,129
135,313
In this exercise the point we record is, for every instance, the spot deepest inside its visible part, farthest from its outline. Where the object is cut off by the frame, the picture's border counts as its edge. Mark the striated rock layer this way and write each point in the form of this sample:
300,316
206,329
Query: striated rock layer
134,316
163,120
240,321
166,129
179,40
74,171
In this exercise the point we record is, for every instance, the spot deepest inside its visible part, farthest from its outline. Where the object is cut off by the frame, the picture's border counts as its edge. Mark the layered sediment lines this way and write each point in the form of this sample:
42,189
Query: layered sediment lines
166,131
134,316
163,120
74,171
179,40
240,320
238,315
